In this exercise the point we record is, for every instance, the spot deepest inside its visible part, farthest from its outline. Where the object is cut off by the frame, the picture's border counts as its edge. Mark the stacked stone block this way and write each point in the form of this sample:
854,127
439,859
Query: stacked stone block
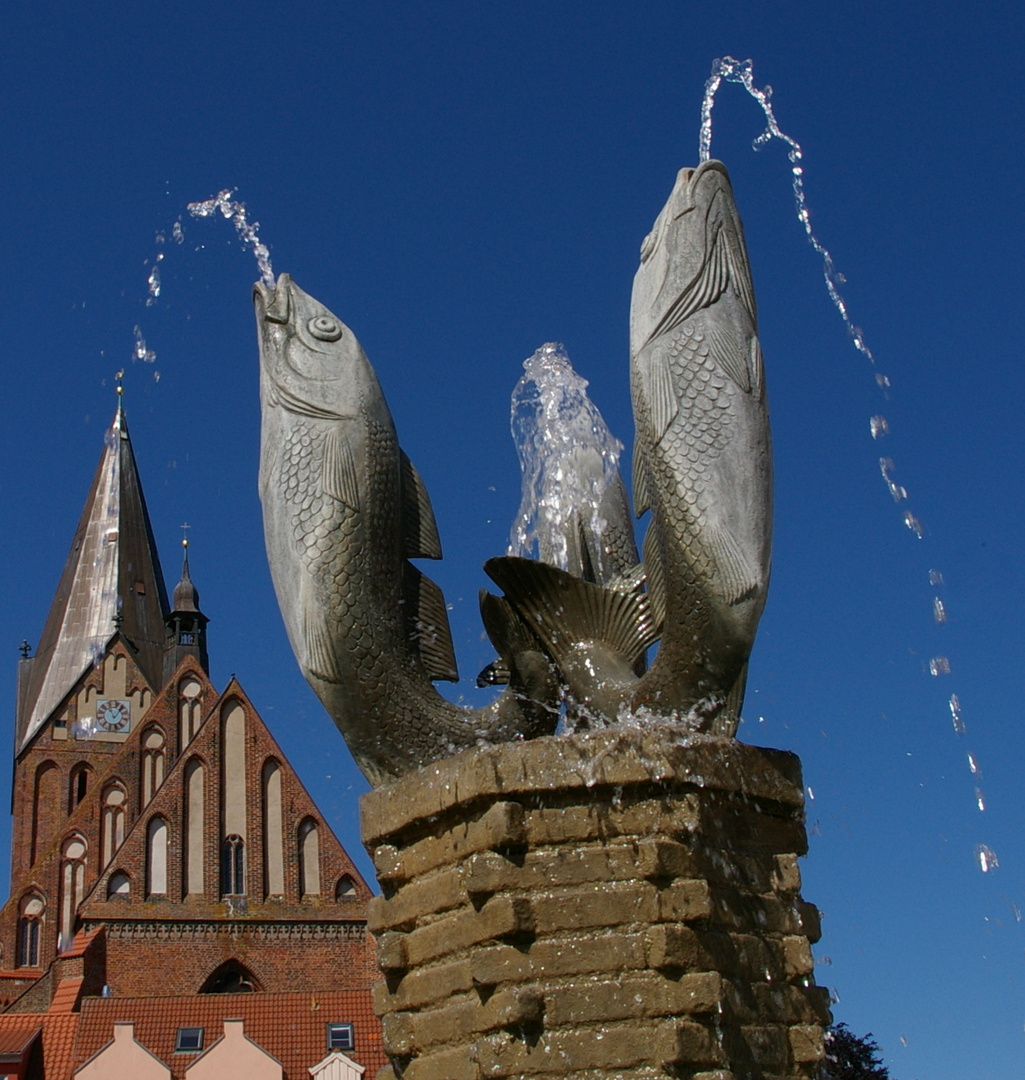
615,904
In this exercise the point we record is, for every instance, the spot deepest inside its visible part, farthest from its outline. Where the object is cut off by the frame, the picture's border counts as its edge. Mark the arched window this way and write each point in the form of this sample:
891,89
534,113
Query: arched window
346,888
231,977
156,857
72,884
47,795
152,763
31,910
233,866
114,801
78,785
189,706
194,832
273,847
119,885
309,859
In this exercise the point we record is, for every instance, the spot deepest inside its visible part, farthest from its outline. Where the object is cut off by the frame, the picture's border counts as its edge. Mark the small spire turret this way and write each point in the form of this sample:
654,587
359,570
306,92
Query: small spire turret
186,624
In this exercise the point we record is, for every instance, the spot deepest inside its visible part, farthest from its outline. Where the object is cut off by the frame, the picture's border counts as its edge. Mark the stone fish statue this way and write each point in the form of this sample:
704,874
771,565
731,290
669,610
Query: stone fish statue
344,511
702,466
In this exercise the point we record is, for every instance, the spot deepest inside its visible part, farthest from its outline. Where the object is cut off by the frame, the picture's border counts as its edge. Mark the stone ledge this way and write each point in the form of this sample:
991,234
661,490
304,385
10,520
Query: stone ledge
613,757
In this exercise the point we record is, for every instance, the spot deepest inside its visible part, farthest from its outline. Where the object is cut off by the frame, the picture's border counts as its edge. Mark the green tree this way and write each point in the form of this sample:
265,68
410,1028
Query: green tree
852,1057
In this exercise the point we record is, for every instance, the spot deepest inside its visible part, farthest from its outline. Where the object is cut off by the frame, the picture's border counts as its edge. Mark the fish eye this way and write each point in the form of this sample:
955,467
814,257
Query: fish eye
324,328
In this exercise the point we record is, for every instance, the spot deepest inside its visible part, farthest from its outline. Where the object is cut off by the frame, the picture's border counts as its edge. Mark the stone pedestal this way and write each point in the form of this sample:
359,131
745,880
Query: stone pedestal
617,904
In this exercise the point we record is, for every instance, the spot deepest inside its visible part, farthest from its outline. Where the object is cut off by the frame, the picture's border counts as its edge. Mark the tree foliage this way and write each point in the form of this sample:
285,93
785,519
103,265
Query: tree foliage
852,1057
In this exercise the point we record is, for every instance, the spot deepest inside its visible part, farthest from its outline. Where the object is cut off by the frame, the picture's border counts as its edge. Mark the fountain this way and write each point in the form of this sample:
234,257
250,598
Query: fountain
621,898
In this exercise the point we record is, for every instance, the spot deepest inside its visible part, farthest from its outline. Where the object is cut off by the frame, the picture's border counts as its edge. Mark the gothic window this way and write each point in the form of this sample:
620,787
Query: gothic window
346,888
72,884
152,763
231,977
119,885
189,706
273,848
114,800
156,860
309,859
233,866
194,832
30,920
46,801
78,785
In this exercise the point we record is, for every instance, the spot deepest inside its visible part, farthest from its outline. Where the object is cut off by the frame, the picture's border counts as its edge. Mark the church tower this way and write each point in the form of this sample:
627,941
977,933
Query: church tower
162,845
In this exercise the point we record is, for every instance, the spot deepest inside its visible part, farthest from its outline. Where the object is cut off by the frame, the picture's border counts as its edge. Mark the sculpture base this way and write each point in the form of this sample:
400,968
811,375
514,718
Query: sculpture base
621,903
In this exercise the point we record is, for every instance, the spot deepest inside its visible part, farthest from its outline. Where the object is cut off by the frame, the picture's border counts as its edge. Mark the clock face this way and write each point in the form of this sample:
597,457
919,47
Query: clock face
113,715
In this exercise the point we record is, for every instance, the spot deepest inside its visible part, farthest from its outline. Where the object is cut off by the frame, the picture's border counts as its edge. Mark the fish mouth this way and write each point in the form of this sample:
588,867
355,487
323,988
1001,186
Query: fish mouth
273,304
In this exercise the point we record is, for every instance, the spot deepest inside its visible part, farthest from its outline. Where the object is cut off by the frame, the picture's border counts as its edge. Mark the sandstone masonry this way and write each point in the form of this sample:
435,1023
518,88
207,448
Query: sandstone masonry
616,904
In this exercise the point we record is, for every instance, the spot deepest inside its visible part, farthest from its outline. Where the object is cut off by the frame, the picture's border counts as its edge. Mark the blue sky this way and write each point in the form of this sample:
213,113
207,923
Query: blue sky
463,182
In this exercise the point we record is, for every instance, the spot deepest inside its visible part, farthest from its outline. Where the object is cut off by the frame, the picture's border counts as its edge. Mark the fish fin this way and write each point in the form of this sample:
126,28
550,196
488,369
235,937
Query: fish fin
737,579
730,357
508,634
320,653
655,578
563,610
427,624
642,501
339,475
662,401
757,368
731,236
631,580
419,529
728,720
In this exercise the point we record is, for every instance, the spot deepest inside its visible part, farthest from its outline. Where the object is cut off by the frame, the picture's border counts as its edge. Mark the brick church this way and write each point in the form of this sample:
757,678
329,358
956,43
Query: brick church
179,907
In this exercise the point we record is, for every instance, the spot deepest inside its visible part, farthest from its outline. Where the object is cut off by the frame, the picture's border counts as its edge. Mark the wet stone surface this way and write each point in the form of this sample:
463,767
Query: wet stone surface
621,903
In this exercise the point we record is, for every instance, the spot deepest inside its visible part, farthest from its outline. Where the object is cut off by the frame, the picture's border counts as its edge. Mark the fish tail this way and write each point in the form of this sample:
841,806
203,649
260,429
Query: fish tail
564,611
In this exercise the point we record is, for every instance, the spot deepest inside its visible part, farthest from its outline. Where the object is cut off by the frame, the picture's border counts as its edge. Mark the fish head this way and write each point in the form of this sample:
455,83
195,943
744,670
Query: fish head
310,361
674,253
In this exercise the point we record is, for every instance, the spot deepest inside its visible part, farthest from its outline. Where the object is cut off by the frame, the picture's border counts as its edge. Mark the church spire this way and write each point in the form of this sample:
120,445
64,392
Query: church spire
111,583
186,625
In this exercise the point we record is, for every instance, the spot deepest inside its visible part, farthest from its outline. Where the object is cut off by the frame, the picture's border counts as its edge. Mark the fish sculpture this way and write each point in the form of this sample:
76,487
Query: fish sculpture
702,467
344,511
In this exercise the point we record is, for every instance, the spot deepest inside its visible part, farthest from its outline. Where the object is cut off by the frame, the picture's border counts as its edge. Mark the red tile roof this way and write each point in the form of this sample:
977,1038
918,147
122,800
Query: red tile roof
65,997
16,1036
58,1044
290,1026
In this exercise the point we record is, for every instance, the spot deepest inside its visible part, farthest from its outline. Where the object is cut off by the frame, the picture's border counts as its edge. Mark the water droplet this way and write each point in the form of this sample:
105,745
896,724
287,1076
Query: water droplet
935,577
939,665
177,233
903,1039
955,714
913,523
939,611
973,765
980,800
987,858
879,426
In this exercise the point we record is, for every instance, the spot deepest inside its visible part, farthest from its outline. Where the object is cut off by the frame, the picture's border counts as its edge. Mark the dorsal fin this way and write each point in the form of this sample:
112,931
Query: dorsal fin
427,624
655,578
662,402
565,611
642,500
419,529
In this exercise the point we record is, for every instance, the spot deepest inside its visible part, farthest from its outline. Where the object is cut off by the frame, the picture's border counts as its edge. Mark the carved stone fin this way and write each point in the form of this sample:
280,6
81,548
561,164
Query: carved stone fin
737,579
757,368
728,720
340,480
563,610
320,655
419,529
729,356
662,402
642,500
427,624
506,630
656,579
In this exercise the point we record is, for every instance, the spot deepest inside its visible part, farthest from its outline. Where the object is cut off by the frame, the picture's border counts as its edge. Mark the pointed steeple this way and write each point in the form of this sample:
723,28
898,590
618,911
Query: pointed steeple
111,583
186,625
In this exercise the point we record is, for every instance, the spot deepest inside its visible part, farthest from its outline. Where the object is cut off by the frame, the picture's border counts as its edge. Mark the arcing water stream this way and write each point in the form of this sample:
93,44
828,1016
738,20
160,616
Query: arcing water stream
741,71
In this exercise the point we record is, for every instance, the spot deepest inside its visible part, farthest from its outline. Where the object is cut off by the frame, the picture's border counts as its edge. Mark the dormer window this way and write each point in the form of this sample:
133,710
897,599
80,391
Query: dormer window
189,1040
